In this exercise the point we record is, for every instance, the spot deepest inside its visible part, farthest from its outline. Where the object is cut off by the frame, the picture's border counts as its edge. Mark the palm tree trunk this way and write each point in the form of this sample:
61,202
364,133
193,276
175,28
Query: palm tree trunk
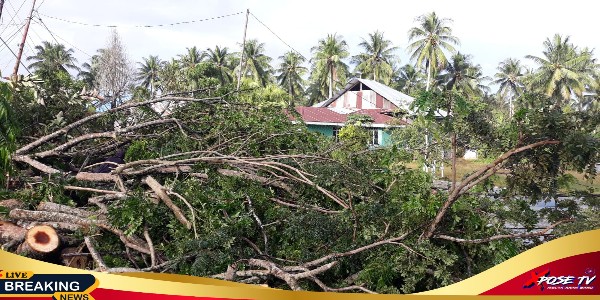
428,75
330,82
453,162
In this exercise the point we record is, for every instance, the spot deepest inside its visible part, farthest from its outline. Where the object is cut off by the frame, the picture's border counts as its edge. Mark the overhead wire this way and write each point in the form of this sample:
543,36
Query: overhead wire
52,34
141,26
15,55
277,36
55,35
11,38
15,11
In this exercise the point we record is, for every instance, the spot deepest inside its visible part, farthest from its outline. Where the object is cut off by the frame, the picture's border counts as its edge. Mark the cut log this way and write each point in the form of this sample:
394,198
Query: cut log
61,208
10,233
39,241
11,204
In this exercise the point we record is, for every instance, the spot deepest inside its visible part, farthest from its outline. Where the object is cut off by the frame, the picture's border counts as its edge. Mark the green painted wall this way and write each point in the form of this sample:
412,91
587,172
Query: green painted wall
326,130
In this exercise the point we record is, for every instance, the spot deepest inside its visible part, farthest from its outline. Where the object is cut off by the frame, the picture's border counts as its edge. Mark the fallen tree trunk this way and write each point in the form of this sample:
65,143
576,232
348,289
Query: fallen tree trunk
39,242
10,232
11,204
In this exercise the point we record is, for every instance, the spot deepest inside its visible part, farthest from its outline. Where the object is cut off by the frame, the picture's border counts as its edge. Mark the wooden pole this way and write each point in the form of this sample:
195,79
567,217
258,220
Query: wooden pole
243,50
1,6
22,45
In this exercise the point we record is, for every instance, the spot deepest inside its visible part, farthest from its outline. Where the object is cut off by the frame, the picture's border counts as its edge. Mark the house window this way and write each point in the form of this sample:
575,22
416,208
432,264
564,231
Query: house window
374,136
336,133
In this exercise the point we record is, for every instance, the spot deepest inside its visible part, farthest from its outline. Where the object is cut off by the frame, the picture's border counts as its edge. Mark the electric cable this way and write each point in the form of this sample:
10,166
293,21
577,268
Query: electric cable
141,26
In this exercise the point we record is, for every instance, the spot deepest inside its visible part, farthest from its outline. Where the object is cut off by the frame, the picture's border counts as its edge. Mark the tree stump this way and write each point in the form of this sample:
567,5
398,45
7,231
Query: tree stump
39,242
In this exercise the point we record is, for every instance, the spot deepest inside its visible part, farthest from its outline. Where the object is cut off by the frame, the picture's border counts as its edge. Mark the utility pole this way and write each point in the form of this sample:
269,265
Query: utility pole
1,6
243,50
23,41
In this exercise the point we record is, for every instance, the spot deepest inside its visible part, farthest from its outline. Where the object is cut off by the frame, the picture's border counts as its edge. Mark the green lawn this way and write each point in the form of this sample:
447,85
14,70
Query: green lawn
465,167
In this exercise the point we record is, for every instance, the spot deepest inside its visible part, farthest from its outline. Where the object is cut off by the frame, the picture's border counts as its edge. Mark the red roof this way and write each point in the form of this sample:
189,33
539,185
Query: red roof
328,115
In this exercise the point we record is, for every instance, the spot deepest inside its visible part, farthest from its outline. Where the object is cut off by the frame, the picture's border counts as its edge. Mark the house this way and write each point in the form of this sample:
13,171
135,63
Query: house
386,106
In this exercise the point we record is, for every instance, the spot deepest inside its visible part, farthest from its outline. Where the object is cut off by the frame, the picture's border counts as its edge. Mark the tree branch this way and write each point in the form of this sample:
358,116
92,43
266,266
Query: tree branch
459,189
503,236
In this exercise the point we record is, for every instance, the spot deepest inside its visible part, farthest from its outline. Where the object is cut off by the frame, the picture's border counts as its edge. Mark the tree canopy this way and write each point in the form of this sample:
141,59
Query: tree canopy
174,169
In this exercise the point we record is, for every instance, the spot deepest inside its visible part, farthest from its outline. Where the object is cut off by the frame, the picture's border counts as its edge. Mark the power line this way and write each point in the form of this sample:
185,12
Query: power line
12,36
141,26
54,35
44,25
263,24
16,13
1,39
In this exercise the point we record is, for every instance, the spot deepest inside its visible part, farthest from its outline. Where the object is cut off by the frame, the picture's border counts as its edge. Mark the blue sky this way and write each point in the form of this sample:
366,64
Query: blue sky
489,30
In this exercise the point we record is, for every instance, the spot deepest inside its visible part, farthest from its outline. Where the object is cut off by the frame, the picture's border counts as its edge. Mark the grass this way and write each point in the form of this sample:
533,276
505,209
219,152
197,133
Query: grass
465,167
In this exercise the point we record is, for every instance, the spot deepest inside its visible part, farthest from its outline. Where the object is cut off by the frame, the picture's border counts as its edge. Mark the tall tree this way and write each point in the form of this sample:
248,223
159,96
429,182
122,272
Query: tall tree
377,58
290,74
8,129
88,73
429,40
510,79
51,57
408,79
148,73
329,69
256,62
563,71
191,58
464,76
221,58
115,71
171,77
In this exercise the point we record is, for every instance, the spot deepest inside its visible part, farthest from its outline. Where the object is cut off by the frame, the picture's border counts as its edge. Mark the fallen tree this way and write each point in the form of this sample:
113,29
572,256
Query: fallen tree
222,189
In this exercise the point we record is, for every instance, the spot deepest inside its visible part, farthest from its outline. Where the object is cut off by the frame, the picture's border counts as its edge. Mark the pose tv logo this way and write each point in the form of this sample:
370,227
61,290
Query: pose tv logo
564,282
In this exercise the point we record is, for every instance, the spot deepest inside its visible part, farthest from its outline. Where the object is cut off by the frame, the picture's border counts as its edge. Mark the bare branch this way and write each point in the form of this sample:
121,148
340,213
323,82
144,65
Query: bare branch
150,246
95,255
354,251
503,236
159,190
311,207
65,130
459,190
85,189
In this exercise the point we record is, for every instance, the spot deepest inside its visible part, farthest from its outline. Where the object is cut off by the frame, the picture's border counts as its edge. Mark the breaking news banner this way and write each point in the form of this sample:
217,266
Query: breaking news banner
567,267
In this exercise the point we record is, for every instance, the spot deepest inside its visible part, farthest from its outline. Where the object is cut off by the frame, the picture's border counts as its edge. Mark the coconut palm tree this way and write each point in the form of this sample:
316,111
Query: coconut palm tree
510,79
8,129
191,58
290,74
171,76
256,62
461,74
329,69
377,59
429,40
50,58
148,73
563,71
88,72
221,58
408,79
